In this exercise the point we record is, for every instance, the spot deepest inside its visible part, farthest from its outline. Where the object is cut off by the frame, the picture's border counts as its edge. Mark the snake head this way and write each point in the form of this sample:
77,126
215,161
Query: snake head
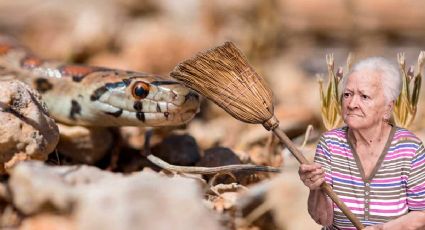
144,101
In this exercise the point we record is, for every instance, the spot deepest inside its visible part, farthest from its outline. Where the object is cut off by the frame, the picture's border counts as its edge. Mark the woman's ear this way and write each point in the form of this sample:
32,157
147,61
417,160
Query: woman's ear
391,106
389,109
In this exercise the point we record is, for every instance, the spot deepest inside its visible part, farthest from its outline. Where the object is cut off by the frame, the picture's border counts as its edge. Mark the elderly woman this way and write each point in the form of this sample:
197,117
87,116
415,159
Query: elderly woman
376,168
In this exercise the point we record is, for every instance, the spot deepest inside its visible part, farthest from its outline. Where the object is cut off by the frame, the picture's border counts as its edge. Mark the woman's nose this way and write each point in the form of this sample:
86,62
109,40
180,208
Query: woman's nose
353,102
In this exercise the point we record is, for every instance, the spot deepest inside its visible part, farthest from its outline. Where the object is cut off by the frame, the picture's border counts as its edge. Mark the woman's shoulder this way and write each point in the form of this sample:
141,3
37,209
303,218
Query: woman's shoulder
336,134
404,135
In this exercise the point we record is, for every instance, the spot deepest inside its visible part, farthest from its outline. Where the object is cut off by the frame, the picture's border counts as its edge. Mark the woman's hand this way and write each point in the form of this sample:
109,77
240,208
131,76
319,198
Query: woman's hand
312,175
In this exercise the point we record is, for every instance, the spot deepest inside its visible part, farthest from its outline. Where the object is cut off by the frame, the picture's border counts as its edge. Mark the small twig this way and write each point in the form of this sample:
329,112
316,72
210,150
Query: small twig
306,136
209,170
214,178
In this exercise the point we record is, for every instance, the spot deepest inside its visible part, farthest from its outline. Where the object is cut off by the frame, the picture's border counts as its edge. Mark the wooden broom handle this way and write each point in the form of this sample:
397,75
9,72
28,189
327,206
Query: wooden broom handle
325,187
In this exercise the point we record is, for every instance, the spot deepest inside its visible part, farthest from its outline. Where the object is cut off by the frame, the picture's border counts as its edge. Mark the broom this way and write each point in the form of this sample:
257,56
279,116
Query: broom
224,76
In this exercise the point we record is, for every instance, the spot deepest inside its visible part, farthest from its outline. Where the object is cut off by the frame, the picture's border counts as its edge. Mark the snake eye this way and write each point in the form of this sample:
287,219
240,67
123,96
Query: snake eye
140,90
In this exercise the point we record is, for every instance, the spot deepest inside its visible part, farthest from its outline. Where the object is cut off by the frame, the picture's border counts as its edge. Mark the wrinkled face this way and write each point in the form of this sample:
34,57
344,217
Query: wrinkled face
363,101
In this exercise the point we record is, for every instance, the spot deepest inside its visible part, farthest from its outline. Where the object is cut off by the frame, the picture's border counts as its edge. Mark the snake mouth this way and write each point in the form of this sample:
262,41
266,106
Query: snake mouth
133,118
150,112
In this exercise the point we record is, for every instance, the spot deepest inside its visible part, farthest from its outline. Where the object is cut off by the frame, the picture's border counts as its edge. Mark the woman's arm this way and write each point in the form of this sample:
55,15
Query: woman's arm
319,205
414,220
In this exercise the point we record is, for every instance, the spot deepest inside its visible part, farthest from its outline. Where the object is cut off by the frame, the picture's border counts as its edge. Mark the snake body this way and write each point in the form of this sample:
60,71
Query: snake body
97,96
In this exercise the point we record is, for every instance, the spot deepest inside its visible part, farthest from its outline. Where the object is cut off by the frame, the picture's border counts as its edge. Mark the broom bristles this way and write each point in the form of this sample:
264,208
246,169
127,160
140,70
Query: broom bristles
224,76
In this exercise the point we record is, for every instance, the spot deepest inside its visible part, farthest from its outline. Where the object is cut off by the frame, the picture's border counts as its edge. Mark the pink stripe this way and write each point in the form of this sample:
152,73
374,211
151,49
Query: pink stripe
389,211
344,154
352,201
338,148
344,176
418,164
417,188
391,157
415,203
396,179
353,209
320,151
388,202
336,132
405,134
402,150
397,152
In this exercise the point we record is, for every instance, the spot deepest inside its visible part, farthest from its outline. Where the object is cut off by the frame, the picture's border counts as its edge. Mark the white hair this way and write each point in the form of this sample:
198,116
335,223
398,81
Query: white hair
390,75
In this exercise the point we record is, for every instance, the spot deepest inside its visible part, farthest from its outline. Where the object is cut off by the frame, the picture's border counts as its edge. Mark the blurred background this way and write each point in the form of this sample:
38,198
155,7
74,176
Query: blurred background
285,40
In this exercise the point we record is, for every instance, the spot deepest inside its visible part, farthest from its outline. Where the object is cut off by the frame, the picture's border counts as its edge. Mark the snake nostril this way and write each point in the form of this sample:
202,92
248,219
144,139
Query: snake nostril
191,95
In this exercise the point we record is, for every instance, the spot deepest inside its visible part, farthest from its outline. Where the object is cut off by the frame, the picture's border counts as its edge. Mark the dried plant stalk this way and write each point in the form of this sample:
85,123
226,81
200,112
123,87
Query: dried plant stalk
210,170
406,105
330,101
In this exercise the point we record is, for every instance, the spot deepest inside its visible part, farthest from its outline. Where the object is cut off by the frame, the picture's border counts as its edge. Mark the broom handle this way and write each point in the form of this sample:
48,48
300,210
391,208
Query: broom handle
325,187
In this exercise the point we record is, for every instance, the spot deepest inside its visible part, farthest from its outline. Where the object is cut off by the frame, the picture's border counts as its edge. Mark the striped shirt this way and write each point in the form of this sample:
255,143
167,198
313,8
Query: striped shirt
395,186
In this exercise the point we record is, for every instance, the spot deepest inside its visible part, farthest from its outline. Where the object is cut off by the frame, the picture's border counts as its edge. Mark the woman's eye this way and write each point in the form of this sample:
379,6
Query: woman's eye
345,95
365,97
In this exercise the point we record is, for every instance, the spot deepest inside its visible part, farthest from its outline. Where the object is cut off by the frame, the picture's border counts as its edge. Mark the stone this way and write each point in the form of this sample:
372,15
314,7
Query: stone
48,222
218,156
146,201
96,199
178,150
33,188
84,144
27,131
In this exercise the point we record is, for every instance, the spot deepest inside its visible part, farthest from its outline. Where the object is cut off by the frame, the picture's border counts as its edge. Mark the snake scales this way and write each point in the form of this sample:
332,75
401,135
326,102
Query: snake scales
97,96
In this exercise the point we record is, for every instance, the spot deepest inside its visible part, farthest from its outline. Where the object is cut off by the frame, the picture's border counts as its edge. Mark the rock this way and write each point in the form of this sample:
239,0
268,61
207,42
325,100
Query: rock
221,156
48,222
178,150
97,199
47,190
84,144
145,201
27,131
54,188
218,156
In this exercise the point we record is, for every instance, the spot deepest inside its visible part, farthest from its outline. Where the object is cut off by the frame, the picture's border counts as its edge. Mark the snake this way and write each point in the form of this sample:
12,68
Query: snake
85,95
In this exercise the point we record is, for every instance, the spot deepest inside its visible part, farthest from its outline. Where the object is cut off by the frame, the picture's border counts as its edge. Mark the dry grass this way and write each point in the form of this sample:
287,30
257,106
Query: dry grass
406,105
330,101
